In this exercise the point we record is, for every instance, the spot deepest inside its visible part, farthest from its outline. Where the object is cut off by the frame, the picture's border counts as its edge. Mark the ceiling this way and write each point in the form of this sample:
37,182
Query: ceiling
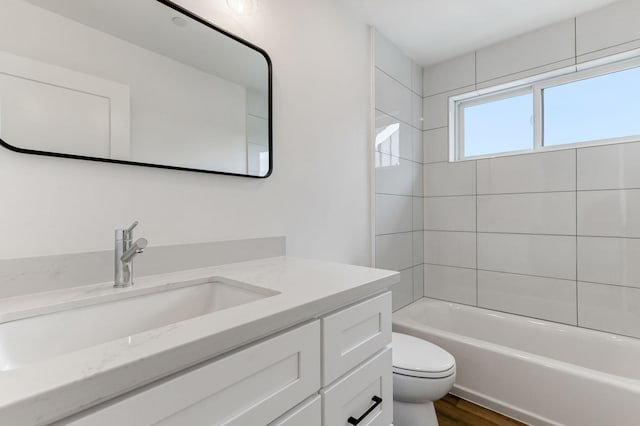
431,31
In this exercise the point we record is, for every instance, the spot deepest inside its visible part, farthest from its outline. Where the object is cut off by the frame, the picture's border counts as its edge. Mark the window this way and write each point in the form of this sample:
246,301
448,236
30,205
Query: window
585,104
497,125
597,108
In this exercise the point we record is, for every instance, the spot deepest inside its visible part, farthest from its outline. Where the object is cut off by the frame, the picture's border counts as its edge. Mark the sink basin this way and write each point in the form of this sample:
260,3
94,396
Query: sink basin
29,340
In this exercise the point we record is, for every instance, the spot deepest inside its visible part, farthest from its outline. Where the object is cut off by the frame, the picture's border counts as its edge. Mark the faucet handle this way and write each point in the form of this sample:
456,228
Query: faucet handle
126,234
133,225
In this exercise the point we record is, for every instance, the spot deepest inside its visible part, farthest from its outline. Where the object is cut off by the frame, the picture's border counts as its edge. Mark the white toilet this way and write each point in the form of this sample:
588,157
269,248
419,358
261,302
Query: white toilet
422,373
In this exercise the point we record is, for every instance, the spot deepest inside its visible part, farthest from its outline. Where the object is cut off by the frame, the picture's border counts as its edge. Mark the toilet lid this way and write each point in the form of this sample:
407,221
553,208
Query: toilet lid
416,357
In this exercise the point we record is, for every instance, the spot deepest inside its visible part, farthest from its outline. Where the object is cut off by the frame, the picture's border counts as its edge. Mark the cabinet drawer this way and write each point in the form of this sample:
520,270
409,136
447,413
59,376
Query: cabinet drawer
309,413
352,335
250,387
353,395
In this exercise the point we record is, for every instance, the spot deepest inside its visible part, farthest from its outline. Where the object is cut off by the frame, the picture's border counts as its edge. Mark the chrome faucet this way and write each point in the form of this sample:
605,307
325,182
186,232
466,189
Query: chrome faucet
125,252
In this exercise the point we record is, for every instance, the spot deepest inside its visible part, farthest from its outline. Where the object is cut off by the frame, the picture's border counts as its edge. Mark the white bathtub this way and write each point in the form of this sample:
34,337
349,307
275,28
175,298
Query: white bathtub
538,372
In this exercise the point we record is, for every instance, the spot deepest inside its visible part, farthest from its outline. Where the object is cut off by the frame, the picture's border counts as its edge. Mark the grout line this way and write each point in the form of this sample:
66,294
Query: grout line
450,196
510,273
517,73
413,246
635,40
435,128
576,169
475,69
500,194
397,157
528,233
609,189
449,266
398,119
476,229
607,236
459,232
398,81
450,92
396,233
611,285
570,191
575,40
396,195
503,194
542,235
505,233
526,275
451,301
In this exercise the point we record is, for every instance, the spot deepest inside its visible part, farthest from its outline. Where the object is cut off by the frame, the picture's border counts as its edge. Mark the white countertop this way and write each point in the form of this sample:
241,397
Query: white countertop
53,389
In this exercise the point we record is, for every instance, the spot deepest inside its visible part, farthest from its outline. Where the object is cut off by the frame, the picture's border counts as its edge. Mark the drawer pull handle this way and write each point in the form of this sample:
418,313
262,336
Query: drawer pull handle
377,401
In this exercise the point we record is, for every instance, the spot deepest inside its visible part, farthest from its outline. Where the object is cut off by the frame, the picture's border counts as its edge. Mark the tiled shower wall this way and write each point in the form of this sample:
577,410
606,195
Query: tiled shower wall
552,235
398,169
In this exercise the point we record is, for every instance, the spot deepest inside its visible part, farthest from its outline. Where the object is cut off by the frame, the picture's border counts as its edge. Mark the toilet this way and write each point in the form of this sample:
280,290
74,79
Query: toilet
422,373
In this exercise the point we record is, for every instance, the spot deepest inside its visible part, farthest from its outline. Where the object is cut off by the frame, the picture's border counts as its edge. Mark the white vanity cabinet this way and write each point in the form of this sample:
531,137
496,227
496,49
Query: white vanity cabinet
333,371
357,382
364,394
309,413
352,335
250,387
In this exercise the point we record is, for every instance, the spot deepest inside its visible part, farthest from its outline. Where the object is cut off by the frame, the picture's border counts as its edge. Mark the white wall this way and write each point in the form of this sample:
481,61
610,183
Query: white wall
318,195
548,235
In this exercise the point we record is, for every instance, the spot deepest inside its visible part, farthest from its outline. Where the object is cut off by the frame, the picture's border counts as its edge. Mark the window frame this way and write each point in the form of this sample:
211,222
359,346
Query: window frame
536,85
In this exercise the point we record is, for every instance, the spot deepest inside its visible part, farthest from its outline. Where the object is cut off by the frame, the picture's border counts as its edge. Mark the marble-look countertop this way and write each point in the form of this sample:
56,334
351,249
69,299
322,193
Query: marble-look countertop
50,390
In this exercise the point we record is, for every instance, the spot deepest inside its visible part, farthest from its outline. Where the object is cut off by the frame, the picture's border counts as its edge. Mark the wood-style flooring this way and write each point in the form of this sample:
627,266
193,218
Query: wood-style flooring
452,410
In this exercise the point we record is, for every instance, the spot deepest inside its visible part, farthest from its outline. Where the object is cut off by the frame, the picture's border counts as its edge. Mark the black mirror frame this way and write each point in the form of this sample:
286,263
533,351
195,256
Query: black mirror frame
203,21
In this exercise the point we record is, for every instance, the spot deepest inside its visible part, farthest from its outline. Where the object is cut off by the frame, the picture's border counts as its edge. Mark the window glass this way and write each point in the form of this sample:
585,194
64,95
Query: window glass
602,107
498,126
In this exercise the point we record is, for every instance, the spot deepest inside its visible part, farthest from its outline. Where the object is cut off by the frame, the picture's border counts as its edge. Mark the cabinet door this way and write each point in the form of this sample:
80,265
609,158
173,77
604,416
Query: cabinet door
309,413
250,387
354,334
365,394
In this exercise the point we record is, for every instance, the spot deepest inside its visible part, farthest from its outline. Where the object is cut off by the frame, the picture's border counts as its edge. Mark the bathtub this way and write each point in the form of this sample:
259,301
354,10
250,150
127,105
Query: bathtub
539,372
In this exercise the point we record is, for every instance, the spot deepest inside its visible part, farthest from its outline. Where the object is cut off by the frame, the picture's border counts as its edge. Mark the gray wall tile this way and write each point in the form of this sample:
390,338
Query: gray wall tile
542,255
450,213
452,284
545,298
535,213
609,213
450,248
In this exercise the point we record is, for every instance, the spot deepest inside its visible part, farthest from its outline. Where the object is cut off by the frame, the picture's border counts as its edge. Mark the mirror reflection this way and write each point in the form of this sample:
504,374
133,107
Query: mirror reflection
132,81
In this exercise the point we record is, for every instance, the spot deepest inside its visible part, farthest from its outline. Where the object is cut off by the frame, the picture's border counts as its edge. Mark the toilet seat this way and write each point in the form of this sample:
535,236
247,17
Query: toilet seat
418,358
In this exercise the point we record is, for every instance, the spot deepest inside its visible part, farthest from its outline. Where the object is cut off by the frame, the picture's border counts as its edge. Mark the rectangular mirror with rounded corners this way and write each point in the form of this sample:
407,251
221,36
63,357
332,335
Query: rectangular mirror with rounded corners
142,82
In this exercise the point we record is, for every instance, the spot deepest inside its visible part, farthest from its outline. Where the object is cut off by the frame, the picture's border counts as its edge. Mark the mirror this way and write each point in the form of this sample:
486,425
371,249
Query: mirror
140,82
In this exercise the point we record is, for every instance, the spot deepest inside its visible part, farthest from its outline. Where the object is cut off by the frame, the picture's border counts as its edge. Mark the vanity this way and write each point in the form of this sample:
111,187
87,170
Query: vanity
279,341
